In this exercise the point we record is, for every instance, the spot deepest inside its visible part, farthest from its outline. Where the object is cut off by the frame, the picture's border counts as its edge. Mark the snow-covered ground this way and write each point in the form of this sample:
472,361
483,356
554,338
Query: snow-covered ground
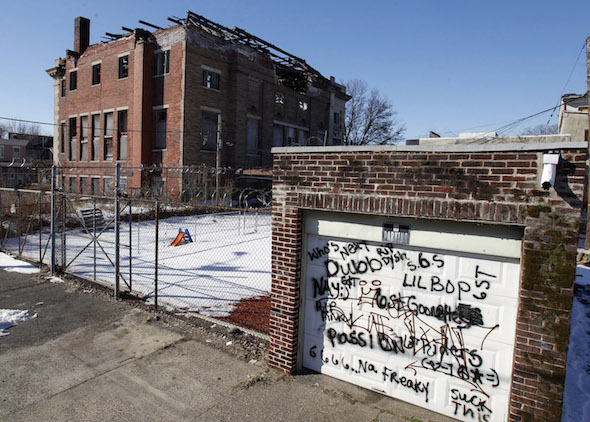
576,402
228,260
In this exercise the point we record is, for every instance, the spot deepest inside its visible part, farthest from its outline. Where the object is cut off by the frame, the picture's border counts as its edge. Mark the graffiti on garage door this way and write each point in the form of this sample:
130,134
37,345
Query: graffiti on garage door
433,328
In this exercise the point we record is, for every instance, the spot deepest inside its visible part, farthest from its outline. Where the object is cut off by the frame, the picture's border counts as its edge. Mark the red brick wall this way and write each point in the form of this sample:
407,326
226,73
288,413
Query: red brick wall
487,187
140,92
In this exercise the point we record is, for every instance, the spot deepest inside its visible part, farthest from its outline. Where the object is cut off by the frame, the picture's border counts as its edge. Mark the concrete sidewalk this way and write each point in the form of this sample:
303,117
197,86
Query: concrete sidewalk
86,357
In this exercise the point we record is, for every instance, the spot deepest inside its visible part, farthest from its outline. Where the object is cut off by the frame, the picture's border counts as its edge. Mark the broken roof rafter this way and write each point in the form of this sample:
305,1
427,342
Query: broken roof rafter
151,25
113,36
203,21
237,34
176,20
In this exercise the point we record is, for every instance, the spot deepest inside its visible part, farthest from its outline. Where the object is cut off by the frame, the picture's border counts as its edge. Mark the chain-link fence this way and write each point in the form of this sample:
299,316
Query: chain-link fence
201,246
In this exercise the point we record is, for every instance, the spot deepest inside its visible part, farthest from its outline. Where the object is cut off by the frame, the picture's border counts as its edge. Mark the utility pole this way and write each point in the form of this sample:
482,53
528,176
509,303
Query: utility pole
587,243
588,81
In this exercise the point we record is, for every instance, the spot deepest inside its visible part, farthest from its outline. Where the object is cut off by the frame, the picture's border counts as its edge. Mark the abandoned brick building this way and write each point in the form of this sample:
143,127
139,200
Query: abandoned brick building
173,96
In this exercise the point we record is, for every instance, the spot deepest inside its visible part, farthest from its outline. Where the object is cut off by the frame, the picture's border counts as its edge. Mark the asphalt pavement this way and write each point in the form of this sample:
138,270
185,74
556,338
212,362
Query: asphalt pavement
87,357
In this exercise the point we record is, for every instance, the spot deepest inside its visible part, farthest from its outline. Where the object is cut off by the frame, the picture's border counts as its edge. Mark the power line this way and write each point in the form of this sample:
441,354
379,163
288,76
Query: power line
569,78
511,123
516,123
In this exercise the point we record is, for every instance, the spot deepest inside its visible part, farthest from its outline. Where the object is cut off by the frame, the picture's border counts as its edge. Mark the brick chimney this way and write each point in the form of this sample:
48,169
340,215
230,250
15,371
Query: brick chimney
81,34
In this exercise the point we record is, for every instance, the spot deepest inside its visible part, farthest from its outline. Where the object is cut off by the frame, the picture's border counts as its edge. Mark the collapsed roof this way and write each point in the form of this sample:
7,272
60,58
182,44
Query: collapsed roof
291,71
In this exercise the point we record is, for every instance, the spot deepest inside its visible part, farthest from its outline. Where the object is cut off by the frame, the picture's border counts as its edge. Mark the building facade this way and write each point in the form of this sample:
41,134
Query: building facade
191,94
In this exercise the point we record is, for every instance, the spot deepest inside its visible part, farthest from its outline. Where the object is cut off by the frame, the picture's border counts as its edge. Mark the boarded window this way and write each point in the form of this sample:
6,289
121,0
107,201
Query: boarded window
84,127
277,136
72,184
123,67
160,117
122,134
162,62
211,79
252,136
96,74
290,136
108,186
72,138
95,136
337,118
83,184
95,186
62,137
108,136
209,127
73,80
301,137
84,138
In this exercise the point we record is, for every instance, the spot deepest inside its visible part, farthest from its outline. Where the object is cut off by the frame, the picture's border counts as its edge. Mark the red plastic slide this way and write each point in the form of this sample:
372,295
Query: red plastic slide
178,239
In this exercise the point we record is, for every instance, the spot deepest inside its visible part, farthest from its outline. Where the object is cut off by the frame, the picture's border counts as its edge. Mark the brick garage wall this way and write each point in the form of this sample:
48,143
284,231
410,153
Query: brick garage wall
448,183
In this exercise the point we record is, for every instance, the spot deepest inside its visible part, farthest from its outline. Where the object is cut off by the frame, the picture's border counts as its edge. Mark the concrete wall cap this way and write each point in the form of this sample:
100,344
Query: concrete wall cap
480,147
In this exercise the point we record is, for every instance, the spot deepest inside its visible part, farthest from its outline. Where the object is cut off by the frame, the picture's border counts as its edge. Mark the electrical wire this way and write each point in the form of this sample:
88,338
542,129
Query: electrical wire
511,124
569,78
516,123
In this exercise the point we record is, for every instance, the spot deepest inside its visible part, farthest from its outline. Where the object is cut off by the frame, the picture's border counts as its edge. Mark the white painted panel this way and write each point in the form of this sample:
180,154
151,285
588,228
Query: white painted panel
493,240
434,328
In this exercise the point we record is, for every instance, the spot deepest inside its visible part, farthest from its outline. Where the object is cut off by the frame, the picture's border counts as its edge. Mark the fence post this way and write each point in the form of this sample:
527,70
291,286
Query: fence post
94,234
40,229
20,220
52,222
157,216
117,233
1,217
64,216
130,246
218,143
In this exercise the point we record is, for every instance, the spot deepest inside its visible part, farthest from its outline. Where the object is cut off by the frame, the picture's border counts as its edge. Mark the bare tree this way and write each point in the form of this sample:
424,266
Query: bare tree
540,129
370,117
16,126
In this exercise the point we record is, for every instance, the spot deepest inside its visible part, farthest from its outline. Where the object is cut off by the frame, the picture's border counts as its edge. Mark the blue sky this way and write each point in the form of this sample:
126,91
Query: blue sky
447,65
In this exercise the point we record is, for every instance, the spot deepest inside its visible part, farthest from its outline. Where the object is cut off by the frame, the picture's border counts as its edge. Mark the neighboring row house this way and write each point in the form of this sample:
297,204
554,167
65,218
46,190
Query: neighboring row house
190,94
573,116
22,156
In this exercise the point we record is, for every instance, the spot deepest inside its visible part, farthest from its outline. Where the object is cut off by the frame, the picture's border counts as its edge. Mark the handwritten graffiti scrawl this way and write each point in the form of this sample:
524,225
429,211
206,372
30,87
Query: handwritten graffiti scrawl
434,329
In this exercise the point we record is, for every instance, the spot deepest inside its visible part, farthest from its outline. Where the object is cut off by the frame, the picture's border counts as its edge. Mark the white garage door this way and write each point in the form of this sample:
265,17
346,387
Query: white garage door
430,322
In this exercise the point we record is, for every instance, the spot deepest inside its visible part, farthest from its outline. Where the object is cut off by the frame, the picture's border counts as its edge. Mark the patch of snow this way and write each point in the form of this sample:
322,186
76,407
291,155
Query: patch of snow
8,263
55,279
576,399
11,317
